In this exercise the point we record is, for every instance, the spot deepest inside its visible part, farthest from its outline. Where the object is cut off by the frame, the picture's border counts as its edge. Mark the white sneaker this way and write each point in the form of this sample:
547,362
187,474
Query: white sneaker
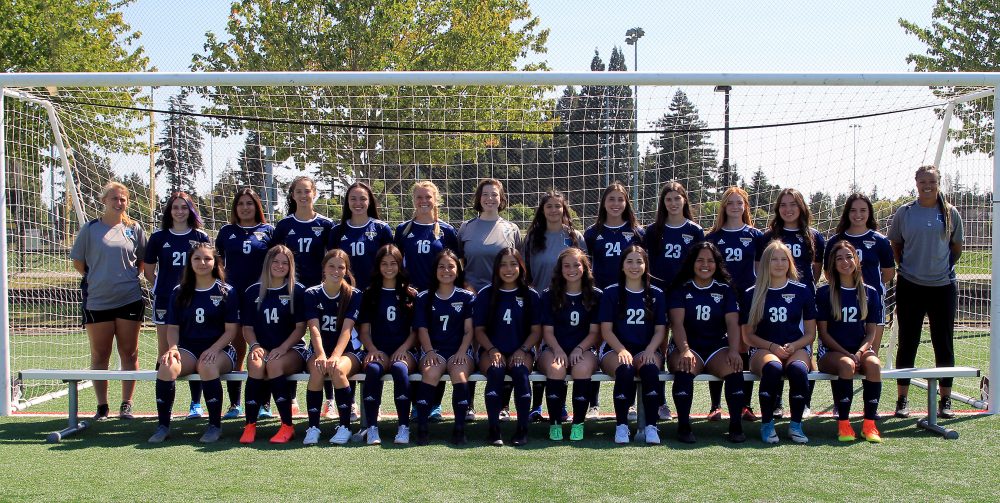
330,409
373,438
470,415
633,414
807,413
622,434
312,436
342,436
593,412
355,415
402,435
652,435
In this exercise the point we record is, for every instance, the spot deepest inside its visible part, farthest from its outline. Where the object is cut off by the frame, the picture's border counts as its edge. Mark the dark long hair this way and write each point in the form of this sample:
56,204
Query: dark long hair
435,284
189,280
653,241
194,219
405,294
628,215
234,218
522,287
845,216
804,222
557,288
345,212
345,293
647,294
835,283
290,199
687,268
536,231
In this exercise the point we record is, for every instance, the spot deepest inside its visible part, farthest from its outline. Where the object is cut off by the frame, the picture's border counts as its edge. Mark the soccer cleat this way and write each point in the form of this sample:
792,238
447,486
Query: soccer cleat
633,414
902,407
807,412
102,413
845,432
470,415
767,433
295,407
779,411
195,411
286,433
593,412
576,432
435,416
265,412
249,433
423,436
211,435
520,437
125,411
736,437
505,414
402,435
458,435
748,414
234,412
373,437
535,416
342,436
494,437
665,413
715,414
330,410
944,408
870,431
685,435
555,432
312,436
356,414
622,434
795,433
162,433
652,435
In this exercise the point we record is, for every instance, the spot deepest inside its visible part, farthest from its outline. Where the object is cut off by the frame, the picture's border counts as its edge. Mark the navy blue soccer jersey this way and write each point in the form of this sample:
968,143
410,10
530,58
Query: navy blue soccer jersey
508,321
796,243
361,244
444,319
391,321
323,308
785,309
667,248
739,248
307,240
705,311
170,252
242,250
571,322
849,331
605,250
632,323
204,319
273,321
420,245
874,251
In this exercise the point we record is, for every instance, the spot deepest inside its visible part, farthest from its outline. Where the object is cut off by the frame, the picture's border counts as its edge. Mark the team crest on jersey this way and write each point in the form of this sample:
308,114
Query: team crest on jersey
216,300
520,301
746,241
717,297
789,297
370,235
868,244
687,238
628,235
940,218
457,306
167,245
799,237
317,231
192,242
259,236
160,313
285,299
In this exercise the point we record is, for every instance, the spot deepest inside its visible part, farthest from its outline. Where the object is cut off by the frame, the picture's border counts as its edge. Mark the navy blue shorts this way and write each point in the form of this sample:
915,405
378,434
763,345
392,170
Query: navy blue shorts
606,350
447,354
196,350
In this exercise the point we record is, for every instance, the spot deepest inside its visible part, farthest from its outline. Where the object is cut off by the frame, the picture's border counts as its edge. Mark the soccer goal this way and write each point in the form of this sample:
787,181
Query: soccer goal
65,135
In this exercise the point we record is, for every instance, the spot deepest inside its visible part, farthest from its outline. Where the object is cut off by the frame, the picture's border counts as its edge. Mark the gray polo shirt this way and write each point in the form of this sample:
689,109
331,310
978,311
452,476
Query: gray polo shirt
542,263
111,255
480,241
926,253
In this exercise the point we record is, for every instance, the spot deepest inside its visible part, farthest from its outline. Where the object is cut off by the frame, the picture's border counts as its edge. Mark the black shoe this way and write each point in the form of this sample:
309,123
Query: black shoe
944,408
423,436
494,436
685,436
902,407
125,412
102,412
736,437
458,436
520,437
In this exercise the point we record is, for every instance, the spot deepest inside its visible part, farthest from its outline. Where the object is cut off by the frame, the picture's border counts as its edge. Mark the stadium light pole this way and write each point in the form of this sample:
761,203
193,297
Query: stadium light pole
854,162
632,37
725,145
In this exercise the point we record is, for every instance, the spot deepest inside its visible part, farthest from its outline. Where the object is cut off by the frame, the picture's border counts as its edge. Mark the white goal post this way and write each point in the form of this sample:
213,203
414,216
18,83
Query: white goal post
983,85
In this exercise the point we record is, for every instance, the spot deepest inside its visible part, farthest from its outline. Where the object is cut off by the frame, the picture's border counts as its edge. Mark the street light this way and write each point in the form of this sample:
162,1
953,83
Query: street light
854,162
725,178
632,37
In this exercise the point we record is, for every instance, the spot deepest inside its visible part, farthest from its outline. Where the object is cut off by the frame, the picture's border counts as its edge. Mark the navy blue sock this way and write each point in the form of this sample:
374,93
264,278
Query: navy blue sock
798,388
747,385
342,397
715,394
279,391
683,391
494,394
165,391
472,393
508,390
328,389
624,392
770,387
253,393
460,402
439,394
843,396
234,389
735,400
401,391
555,399
314,405
537,394
871,392
809,392
652,394
372,392
595,394
522,393
581,392
213,401
661,393
195,387
425,399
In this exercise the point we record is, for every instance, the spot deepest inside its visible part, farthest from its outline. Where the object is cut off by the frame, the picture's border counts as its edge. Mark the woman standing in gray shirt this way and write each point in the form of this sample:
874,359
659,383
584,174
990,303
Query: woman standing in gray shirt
482,237
926,237
108,253
549,234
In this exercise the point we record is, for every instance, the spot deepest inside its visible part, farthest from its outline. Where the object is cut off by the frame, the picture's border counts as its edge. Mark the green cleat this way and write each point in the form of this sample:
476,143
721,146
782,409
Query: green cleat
555,433
576,432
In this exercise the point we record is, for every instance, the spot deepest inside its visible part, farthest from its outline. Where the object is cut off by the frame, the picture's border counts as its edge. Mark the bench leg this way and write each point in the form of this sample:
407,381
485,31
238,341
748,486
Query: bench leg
75,425
930,423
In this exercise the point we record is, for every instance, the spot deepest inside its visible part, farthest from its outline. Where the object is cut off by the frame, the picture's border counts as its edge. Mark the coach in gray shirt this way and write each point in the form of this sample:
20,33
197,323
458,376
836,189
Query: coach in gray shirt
926,237
481,238
550,232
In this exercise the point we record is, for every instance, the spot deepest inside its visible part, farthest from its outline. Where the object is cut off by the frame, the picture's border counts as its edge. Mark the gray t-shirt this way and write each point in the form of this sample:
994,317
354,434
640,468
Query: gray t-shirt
926,253
542,263
480,241
111,255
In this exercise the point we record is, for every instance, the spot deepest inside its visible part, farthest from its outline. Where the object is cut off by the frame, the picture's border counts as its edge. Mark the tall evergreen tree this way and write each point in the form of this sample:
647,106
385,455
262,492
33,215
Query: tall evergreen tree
179,159
683,150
